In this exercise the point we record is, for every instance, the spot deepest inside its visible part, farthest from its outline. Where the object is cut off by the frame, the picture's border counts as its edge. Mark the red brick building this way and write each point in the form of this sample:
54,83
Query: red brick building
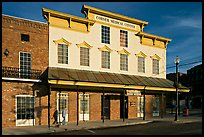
24,59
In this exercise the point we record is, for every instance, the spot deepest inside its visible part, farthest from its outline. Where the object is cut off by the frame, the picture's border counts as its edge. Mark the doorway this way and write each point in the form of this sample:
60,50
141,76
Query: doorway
106,108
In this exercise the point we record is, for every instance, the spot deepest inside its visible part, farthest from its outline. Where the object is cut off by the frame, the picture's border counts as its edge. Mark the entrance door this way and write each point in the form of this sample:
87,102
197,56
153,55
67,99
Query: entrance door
155,106
62,104
140,108
122,106
25,105
106,107
83,107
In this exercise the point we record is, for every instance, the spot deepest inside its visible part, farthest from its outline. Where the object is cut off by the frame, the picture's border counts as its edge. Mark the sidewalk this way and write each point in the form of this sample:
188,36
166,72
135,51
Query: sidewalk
31,130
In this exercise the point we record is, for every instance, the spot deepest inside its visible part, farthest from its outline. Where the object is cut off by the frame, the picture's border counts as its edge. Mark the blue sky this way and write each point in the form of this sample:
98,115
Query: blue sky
179,21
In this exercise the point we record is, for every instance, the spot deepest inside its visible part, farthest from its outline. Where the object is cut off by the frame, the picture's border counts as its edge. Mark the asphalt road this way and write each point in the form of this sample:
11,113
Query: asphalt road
154,128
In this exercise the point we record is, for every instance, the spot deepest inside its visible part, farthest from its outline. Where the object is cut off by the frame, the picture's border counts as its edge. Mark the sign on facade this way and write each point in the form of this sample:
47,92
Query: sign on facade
133,92
115,22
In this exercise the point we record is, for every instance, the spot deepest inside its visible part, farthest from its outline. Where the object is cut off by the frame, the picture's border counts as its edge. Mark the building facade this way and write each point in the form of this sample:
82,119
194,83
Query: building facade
103,66
194,81
24,59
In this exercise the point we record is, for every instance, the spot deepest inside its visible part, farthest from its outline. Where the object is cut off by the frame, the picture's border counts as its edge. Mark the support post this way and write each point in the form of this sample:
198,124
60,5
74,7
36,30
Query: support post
49,89
123,105
162,105
34,108
77,105
144,108
59,106
83,105
103,104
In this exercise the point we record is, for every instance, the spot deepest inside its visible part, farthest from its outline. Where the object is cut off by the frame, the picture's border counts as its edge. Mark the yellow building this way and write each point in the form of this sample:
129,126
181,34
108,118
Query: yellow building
104,66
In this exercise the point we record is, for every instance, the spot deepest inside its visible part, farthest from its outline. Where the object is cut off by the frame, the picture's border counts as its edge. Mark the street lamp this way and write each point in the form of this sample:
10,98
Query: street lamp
177,60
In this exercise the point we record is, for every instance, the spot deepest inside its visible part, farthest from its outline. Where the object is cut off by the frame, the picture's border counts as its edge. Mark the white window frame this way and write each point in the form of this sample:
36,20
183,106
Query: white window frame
84,116
25,122
29,74
105,59
105,34
123,38
141,64
155,66
84,56
124,62
63,57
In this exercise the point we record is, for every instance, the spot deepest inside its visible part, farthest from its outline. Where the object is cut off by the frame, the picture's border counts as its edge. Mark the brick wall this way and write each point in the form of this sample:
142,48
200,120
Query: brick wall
114,107
9,92
132,107
12,28
95,106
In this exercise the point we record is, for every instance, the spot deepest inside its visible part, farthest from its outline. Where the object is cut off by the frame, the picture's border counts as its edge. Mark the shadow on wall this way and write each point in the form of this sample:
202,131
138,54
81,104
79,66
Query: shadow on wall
40,90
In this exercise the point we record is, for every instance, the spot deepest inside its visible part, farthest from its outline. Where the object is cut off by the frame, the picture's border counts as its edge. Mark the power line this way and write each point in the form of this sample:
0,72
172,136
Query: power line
184,64
189,60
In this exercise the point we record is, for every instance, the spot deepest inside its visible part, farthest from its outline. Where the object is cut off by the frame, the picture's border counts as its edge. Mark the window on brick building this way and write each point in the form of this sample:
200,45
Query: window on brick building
84,103
25,107
25,37
25,65
123,38
62,53
84,56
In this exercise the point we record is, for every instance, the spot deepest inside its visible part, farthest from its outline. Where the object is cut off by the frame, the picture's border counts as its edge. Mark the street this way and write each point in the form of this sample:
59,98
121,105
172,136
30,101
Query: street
154,128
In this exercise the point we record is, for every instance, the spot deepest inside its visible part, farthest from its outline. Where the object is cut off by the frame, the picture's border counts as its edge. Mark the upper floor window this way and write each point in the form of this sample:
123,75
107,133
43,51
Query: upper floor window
105,34
124,62
25,65
105,59
155,66
62,53
84,56
141,64
25,37
123,38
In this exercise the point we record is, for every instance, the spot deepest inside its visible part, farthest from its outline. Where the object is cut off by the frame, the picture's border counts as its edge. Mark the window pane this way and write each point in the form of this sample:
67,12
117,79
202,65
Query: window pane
124,62
155,66
62,53
25,65
84,56
105,34
24,37
123,38
25,107
105,59
141,64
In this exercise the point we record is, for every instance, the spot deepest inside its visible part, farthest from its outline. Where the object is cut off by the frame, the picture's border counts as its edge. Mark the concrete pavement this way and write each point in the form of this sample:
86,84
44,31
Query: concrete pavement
31,130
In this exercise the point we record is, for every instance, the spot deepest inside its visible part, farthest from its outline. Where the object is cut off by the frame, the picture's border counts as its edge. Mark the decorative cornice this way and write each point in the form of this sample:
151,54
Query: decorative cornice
155,57
62,41
105,48
8,20
84,44
123,51
88,9
141,54
152,36
66,16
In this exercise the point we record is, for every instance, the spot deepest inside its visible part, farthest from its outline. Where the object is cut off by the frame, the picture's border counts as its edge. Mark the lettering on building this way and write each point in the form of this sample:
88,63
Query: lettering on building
115,22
